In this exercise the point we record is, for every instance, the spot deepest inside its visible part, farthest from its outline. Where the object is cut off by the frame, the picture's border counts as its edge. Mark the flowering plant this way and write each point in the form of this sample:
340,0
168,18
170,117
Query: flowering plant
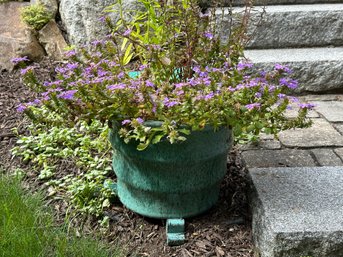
167,63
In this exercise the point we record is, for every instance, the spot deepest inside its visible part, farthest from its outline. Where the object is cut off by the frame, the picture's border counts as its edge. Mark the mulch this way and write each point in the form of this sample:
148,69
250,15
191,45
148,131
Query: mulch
225,230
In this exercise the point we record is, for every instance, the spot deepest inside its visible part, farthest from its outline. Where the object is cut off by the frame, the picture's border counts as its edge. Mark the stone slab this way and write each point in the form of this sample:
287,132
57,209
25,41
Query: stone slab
293,113
326,97
262,144
297,211
326,157
339,128
278,158
332,111
339,152
317,69
321,134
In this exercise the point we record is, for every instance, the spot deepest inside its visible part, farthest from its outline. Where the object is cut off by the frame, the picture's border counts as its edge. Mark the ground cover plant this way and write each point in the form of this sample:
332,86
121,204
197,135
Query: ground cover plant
28,229
85,146
35,15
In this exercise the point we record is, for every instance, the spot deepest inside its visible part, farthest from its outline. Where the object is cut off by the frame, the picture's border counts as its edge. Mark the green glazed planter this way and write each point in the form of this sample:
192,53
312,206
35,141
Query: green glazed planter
171,180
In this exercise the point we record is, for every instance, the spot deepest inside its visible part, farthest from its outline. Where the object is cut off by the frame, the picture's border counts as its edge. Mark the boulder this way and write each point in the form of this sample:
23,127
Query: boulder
51,5
81,18
51,38
16,39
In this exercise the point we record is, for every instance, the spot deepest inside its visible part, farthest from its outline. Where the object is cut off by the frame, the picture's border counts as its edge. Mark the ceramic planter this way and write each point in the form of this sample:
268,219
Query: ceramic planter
171,180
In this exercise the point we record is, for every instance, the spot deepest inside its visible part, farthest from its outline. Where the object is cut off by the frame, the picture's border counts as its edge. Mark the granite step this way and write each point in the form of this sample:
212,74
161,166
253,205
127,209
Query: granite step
271,2
293,26
317,69
297,211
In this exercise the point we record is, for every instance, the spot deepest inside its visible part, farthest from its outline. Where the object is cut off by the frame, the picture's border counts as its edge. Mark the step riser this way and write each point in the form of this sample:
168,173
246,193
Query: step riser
290,27
315,77
267,2
314,74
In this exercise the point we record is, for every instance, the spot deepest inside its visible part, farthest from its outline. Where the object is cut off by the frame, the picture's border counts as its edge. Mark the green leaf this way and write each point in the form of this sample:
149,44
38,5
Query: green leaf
157,138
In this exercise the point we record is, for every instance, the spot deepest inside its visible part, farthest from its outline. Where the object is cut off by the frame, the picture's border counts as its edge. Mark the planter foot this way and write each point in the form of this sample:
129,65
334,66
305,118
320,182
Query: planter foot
175,232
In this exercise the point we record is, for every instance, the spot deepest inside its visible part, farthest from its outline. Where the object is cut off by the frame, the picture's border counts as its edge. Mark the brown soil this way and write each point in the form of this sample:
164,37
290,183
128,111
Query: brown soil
225,230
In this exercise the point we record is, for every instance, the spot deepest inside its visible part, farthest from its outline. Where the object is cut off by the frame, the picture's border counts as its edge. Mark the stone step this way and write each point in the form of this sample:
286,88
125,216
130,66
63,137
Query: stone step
317,69
269,2
297,211
291,26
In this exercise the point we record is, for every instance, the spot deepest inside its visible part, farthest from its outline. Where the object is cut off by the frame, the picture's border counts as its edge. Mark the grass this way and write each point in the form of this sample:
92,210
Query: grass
27,228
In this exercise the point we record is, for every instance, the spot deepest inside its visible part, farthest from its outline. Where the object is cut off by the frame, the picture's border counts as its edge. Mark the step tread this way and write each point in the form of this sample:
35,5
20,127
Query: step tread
295,209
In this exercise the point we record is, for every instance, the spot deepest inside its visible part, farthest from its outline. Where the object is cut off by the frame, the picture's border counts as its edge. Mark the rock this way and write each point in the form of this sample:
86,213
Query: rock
81,18
16,39
297,211
278,158
321,134
51,5
332,111
51,38
317,69
326,157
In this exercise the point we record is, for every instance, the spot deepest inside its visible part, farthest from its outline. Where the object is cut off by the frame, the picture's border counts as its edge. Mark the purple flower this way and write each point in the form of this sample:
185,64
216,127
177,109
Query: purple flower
142,67
293,99
307,105
196,69
36,101
209,96
96,43
68,95
203,74
179,85
102,73
168,103
281,96
258,95
208,35
180,92
124,122
70,53
61,70
72,66
149,83
140,120
121,75
116,86
26,70
171,104
290,83
253,106
54,83
242,66
102,19
127,32
19,59
281,67
21,107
